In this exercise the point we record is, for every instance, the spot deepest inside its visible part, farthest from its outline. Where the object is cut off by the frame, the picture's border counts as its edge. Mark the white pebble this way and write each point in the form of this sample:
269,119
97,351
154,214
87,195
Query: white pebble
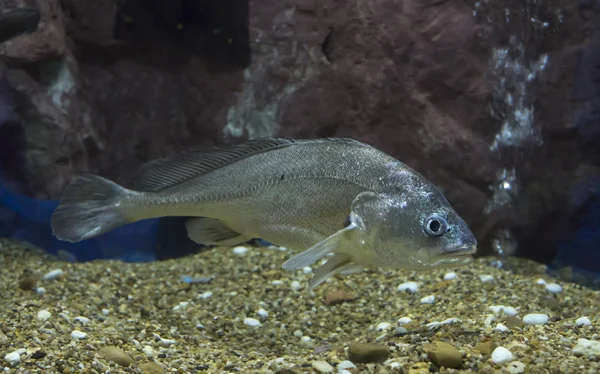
395,365
148,350
181,305
167,342
298,333
516,367
536,319
428,299
449,276
501,328
206,294
344,372
307,270
344,365
295,285
404,321
44,315
501,355
14,358
76,334
277,282
583,321
240,250
252,322
540,281
411,287
105,312
383,326
486,278
263,313
40,290
508,310
587,347
305,339
554,287
53,274
81,319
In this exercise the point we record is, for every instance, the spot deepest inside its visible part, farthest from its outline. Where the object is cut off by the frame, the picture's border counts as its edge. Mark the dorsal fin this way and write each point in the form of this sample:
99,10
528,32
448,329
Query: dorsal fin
170,171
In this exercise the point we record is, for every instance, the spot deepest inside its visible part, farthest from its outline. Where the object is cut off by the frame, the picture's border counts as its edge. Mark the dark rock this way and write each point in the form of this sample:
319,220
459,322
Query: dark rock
367,352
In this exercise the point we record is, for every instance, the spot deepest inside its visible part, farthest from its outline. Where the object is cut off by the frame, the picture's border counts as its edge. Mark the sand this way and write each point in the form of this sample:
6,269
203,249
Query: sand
248,316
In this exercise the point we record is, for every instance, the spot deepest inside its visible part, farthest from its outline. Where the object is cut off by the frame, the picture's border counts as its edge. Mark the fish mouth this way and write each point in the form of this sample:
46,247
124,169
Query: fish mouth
460,256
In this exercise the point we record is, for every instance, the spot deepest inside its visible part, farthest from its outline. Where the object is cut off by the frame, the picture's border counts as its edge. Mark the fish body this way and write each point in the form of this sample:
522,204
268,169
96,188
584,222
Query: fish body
319,197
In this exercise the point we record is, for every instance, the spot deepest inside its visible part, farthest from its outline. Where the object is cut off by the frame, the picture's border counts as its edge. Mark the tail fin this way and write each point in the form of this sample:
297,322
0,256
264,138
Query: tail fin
89,207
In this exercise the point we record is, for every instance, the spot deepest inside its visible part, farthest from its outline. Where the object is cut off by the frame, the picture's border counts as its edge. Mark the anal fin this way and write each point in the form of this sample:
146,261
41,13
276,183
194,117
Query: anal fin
210,231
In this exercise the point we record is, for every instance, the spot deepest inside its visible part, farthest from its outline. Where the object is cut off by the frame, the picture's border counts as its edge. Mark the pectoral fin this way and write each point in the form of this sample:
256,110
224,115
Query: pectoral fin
209,231
317,251
337,263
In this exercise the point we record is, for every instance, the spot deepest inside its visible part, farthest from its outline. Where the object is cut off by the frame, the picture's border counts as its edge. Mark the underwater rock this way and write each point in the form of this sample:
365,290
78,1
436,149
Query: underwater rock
115,354
367,352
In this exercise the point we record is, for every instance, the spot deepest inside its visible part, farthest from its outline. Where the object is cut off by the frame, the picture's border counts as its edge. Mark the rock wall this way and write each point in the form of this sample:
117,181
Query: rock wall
107,85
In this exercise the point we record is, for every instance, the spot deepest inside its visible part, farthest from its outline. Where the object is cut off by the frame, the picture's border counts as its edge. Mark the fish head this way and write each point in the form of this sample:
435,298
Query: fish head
412,230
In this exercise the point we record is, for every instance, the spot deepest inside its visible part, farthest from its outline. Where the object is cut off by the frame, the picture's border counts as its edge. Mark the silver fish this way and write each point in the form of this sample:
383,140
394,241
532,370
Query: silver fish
334,199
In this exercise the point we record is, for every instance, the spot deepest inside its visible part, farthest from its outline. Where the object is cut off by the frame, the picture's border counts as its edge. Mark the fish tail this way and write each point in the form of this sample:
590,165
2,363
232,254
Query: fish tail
90,206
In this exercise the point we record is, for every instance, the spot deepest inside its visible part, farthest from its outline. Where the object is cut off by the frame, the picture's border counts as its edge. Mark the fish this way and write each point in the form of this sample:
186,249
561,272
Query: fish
18,21
336,200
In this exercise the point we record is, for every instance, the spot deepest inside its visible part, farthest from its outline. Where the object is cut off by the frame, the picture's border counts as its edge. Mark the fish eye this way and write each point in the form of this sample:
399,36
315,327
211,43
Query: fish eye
436,225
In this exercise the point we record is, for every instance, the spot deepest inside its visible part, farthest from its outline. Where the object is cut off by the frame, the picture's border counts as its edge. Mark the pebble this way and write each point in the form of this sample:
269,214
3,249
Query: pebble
400,331
240,250
105,312
148,350
404,321
383,326
40,290
53,274
587,347
307,270
554,287
540,281
151,368
486,278
114,354
486,348
337,297
411,287
367,352
181,305
501,328
252,322
263,313
449,276
501,355
345,365
44,315
14,358
419,368
516,367
508,310
428,299
76,334
344,372
536,319
295,285
81,319
583,321
322,367
206,295
444,355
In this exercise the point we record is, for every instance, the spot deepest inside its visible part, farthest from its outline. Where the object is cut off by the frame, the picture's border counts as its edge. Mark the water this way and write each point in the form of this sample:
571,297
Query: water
513,71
